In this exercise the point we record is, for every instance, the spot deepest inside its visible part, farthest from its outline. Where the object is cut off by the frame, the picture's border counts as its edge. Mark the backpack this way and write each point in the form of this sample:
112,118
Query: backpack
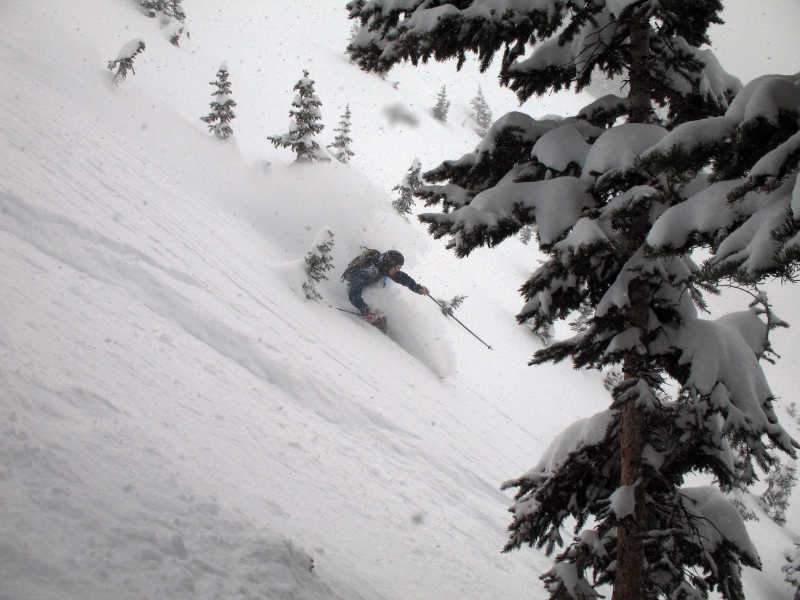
365,259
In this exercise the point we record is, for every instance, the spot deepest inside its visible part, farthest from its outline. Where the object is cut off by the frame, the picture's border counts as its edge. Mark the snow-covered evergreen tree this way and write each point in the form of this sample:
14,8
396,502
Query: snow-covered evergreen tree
620,473
440,110
483,115
406,188
221,106
171,8
318,262
342,141
305,114
124,61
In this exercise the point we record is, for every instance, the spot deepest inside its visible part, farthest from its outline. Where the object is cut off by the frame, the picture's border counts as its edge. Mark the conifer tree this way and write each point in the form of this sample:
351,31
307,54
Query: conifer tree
407,187
439,111
526,234
124,61
342,141
303,126
318,262
221,106
483,116
451,305
620,473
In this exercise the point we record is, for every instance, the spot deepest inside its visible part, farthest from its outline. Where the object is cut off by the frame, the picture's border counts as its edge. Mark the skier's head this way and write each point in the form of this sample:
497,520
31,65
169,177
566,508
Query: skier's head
392,259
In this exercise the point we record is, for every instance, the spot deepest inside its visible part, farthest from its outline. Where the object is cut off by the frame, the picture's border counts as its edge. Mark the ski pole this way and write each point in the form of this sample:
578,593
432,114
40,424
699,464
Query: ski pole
440,305
349,312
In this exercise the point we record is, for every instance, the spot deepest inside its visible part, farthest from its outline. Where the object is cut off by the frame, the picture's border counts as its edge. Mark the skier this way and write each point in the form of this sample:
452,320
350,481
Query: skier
386,265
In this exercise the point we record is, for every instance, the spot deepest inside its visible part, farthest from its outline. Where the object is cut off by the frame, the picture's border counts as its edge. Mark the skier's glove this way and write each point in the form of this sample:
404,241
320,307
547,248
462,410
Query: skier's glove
369,316
423,291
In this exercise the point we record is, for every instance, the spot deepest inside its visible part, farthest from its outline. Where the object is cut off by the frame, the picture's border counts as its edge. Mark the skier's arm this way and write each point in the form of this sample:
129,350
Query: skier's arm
406,280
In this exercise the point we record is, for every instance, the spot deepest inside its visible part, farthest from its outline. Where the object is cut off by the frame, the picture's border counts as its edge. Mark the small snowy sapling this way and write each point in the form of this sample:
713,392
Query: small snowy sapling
305,114
124,62
483,115
342,141
439,111
221,106
450,306
410,184
526,234
318,262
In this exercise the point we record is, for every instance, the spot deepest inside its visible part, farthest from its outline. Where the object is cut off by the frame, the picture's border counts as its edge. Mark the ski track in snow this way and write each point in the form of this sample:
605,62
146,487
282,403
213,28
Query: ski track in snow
176,422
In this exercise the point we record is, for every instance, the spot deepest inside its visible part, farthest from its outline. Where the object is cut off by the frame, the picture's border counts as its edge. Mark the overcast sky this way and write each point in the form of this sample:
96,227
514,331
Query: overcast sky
759,37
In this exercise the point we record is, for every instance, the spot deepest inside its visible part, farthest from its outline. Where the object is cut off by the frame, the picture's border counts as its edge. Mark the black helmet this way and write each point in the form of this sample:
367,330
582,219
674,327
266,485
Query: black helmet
393,258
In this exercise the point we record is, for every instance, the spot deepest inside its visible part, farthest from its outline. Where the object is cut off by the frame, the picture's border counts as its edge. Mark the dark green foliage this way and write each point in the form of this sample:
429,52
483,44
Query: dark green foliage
477,172
605,111
750,143
788,258
754,159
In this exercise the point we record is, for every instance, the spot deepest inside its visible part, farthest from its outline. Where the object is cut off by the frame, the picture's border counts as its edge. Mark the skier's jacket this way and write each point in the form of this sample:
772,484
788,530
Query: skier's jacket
371,274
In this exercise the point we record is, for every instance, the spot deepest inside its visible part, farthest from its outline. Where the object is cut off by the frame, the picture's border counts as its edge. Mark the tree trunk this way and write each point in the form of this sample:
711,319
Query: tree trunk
628,579
628,583
638,73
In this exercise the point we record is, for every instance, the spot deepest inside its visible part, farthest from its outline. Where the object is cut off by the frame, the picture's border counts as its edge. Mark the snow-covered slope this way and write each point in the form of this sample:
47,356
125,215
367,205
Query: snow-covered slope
176,419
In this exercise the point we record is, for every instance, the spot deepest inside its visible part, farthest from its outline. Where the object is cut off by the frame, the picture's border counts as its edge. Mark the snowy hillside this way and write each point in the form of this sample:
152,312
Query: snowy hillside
176,419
